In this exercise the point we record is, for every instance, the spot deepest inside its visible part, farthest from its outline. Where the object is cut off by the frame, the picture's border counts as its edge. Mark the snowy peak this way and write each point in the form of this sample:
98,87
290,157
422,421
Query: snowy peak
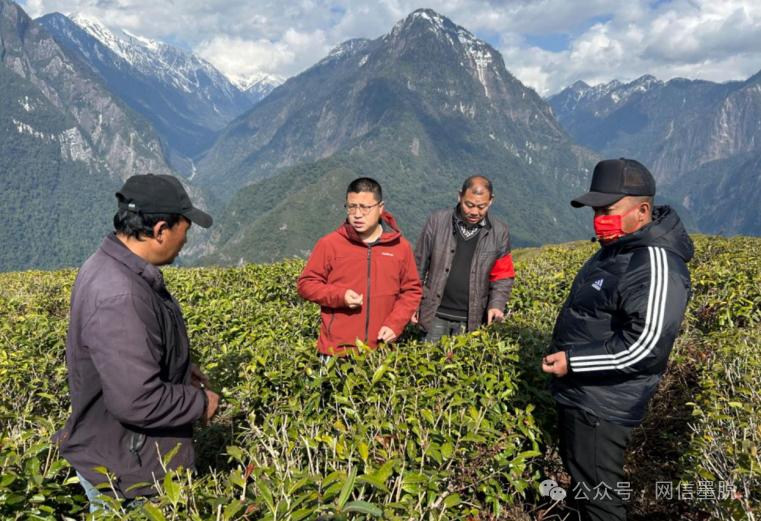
346,49
455,43
96,29
259,85
580,87
619,92
431,21
185,98
427,18
259,81
603,97
122,42
182,69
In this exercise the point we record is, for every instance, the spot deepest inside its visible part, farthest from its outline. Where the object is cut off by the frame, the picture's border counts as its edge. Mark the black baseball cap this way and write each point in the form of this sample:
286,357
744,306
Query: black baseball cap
614,179
150,194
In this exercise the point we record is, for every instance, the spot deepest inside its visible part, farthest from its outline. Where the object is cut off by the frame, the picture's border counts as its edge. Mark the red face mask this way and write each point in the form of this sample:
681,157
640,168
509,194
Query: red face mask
610,227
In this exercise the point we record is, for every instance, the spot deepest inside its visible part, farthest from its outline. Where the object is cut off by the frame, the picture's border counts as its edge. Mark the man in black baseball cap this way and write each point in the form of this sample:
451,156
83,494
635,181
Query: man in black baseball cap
134,392
613,335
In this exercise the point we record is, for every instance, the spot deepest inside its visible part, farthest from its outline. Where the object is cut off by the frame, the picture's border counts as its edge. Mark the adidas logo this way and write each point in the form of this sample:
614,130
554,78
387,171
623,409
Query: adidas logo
598,284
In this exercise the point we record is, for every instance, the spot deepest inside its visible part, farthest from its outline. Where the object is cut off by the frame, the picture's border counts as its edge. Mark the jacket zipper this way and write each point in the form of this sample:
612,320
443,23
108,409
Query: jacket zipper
367,306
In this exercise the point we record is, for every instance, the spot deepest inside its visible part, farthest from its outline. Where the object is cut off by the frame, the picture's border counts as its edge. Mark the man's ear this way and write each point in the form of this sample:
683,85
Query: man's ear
158,230
645,210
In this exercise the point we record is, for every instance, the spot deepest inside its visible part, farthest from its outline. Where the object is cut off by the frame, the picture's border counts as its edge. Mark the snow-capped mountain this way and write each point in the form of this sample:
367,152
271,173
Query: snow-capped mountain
418,109
605,97
174,66
258,85
186,98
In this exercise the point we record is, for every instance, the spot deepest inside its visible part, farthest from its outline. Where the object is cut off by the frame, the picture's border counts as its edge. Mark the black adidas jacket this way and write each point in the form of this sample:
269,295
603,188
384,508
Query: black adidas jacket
621,318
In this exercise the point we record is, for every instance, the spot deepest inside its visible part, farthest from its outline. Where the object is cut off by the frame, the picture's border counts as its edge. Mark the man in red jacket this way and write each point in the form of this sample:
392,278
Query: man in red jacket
362,275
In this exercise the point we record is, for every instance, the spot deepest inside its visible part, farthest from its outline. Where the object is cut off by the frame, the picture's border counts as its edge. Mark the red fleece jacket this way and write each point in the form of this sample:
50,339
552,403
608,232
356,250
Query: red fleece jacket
384,274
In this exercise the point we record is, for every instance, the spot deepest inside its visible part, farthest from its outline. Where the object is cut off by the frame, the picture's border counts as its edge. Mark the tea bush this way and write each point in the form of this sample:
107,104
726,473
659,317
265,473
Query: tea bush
460,429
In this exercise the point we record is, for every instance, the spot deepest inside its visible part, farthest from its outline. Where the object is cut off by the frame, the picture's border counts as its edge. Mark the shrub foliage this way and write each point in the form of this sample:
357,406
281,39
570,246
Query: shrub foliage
462,429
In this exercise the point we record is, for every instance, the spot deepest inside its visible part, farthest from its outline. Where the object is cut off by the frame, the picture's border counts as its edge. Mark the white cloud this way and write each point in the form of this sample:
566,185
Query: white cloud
717,41
242,58
608,39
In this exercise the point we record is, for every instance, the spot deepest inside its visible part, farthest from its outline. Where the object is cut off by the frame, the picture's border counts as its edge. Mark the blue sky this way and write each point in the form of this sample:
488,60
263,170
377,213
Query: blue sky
547,44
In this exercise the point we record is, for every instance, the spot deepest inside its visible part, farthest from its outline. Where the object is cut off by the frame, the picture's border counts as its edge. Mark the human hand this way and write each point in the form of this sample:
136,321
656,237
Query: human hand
212,401
555,364
386,334
197,378
494,315
352,299
414,319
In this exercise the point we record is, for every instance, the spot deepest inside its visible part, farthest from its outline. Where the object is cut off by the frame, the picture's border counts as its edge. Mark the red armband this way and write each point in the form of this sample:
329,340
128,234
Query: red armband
503,268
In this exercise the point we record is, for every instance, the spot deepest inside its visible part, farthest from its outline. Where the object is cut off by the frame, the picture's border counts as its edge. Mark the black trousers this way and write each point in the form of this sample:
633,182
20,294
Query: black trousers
593,453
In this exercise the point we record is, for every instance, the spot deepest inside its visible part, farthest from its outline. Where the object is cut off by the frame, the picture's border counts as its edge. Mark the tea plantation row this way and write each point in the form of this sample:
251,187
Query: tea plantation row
458,430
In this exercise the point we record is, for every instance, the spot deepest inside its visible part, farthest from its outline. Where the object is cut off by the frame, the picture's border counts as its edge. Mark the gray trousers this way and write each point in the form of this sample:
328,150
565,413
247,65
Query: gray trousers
442,327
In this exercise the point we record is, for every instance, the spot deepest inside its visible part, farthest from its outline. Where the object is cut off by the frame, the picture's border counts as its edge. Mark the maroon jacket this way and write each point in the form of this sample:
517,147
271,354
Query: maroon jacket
384,273
129,372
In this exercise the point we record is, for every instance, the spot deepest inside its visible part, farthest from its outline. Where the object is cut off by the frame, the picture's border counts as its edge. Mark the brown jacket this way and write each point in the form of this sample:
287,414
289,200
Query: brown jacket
129,372
491,271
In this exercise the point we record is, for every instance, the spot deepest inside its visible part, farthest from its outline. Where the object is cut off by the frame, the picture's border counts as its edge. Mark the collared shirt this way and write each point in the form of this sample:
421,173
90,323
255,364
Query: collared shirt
466,230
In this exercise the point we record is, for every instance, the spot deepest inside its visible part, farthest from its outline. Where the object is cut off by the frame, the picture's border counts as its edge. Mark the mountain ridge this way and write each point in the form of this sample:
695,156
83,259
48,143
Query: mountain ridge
186,99
692,134
419,108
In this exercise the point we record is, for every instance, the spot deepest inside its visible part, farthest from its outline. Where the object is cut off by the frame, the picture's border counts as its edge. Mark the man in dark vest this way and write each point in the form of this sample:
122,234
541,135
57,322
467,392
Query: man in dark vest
464,261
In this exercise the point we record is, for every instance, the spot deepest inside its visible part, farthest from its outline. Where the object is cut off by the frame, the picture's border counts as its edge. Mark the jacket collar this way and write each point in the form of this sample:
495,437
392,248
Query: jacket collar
115,249
390,233
457,219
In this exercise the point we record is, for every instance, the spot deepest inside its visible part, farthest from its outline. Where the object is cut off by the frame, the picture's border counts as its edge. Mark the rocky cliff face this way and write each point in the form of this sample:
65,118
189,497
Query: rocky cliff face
690,133
106,135
66,145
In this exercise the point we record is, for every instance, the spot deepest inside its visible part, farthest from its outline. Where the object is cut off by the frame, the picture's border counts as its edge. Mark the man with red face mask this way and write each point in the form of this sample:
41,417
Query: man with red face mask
614,333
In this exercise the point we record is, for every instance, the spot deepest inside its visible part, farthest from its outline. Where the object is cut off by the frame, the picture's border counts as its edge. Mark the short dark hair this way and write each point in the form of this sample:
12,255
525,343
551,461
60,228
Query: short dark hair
366,184
645,199
139,225
477,179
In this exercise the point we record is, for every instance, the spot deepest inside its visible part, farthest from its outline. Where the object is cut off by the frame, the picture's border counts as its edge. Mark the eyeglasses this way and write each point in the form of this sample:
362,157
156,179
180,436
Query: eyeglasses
364,209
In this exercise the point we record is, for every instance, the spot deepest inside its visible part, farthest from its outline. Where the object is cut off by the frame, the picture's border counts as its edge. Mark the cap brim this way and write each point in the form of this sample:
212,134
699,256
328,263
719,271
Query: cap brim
199,217
595,199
